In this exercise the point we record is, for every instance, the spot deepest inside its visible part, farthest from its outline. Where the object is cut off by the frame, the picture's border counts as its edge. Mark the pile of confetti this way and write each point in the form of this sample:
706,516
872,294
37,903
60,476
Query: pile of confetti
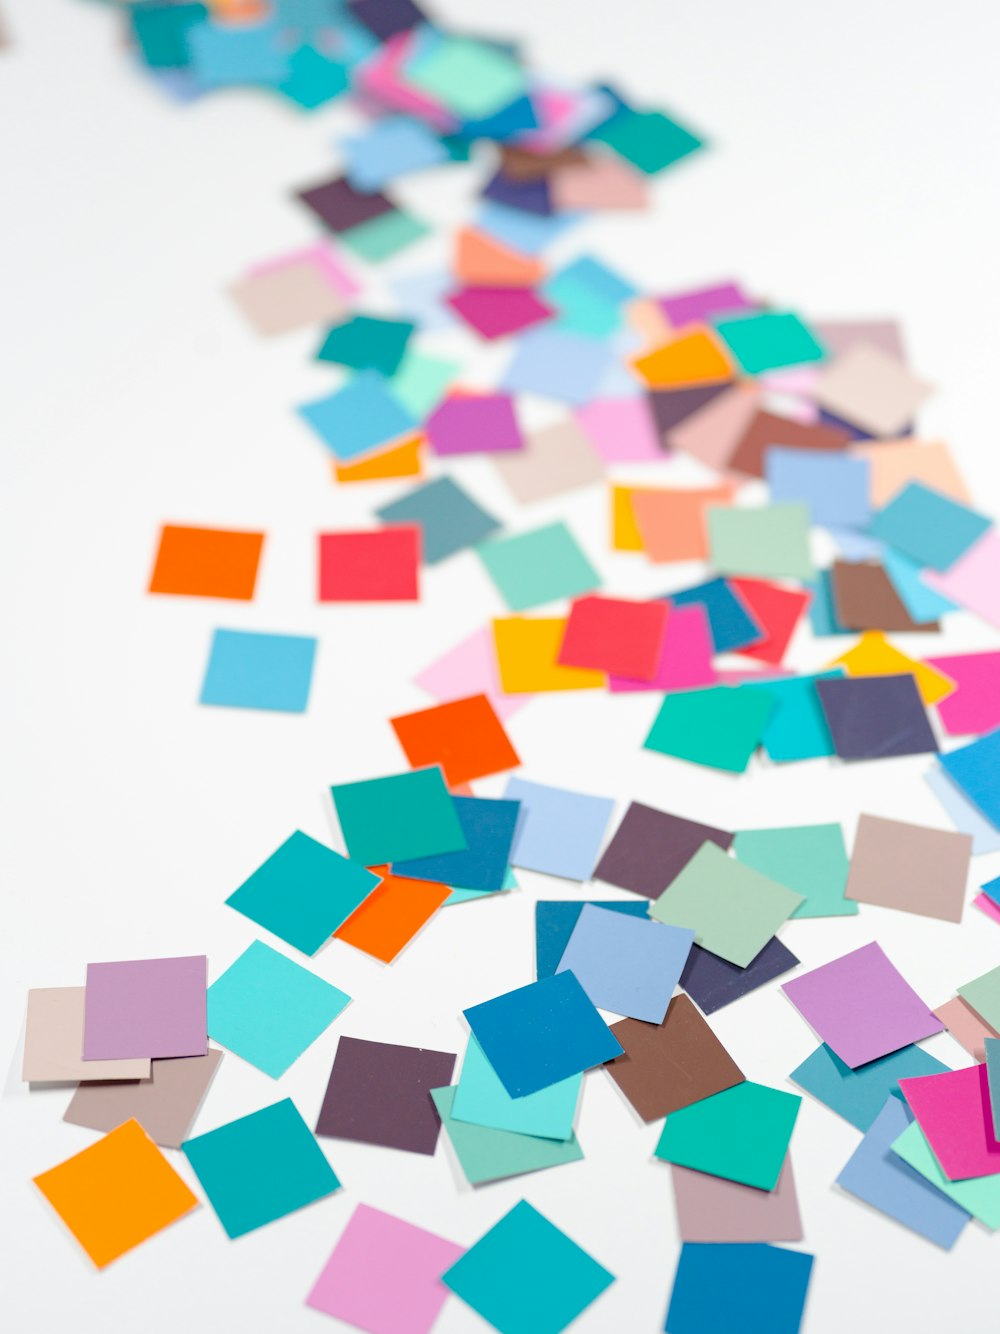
811,508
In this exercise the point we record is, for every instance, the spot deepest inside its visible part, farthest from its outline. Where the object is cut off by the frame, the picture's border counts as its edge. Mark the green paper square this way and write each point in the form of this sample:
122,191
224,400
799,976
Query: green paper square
268,1009
421,381
732,909
303,892
769,541
769,340
983,994
525,1276
648,139
720,726
741,1134
260,1168
486,1154
472,79
366,343
381,237
399,817
540,566
980,1196
810,859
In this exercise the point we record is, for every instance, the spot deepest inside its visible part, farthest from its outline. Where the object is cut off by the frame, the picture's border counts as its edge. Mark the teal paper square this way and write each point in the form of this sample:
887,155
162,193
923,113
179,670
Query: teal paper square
525,1276
769,340
267,1009
260,1168
303,892
399,817
480,1098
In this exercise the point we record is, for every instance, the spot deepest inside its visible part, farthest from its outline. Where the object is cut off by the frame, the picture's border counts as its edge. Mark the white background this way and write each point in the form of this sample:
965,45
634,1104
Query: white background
852,173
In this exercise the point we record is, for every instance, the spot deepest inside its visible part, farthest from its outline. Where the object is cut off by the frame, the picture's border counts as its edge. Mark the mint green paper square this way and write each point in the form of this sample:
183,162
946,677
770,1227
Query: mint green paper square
485,1154
979,1196
260,1168
732,909
811,859
268,1009
769,541
381,237
719,727
459,894
480,1098
397,818
797,728
769,340
544,565
983,994
648,139
525,1276
741,1134
303,892
472,79
421,381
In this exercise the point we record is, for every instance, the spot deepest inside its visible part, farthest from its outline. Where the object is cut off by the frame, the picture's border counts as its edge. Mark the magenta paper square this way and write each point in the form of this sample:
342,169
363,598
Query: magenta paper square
146,1007
862,1006
384,1275
477,424
953,1110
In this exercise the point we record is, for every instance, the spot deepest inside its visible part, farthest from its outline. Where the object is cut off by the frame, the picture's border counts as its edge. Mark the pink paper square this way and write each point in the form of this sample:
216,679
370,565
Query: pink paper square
985,904
384,1275
974,580
953,1111
974,706
685,655
470,668
622,430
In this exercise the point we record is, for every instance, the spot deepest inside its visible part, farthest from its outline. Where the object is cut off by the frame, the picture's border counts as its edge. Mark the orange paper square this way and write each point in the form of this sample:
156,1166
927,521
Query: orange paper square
401,460
206,562
672,524
117,1193
392,914
464,736
694,357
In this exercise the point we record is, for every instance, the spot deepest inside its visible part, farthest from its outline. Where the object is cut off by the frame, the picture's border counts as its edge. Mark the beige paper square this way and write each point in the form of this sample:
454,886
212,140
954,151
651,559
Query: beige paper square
872,390
896,463
291,296
554,460
909,867
53,1042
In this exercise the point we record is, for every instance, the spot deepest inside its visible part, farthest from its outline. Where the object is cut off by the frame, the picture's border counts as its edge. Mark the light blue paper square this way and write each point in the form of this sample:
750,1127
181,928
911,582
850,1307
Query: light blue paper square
247,670
391,148
358,417
559,832
928,526
557,363
629,965
834,485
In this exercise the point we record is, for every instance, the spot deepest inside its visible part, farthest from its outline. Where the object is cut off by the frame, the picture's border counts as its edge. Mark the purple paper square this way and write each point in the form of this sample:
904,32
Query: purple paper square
861,1006
479,424
146,1007
694,307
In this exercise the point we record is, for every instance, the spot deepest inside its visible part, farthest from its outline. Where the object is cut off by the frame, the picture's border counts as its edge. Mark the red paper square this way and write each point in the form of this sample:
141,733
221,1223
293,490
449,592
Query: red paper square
376,566
614,635
776,610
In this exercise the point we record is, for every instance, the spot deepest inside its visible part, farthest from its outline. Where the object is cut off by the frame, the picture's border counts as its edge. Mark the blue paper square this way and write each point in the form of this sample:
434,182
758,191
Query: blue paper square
260,1168
247,670
448,516
359,417
859,1095
226,55
882,1179
929,527
303,892
557,363
559,832
488,828
834,485
527,232
625,964
392,147
268,1009
823,608
922,603
313,79
966,818
731,625
554,923
539,1034
730,1288
976,770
